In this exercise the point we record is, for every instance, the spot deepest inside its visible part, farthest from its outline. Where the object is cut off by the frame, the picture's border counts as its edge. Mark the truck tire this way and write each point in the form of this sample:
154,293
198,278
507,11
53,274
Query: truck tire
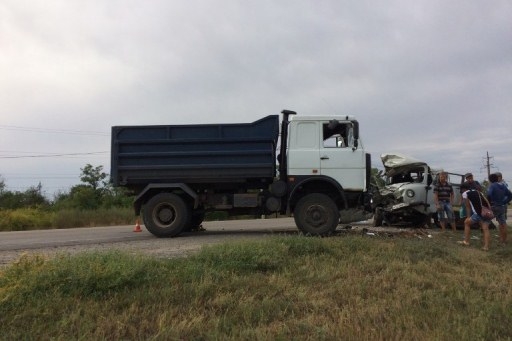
166,214
316,215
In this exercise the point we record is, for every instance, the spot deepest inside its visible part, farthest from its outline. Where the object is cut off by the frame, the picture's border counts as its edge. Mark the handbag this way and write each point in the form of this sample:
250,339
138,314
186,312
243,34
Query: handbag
486,213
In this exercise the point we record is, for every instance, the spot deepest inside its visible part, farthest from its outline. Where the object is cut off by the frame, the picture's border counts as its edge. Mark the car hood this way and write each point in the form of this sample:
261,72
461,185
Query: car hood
395,163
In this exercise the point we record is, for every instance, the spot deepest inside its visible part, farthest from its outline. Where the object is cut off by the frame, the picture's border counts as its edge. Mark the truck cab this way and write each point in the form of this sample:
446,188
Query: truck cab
328,147
326,154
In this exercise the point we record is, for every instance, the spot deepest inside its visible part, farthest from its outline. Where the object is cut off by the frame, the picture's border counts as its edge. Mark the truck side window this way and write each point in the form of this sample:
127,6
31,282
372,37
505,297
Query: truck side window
307,135
336,137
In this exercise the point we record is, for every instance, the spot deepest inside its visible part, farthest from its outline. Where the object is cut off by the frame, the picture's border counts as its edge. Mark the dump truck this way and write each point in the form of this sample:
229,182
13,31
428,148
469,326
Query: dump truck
312,167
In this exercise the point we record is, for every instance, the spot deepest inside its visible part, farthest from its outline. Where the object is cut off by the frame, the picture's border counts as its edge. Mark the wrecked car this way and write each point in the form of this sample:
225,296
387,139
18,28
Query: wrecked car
407,196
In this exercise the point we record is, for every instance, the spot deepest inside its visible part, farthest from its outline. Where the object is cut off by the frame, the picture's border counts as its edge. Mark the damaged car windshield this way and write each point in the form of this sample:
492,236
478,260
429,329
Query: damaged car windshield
413,175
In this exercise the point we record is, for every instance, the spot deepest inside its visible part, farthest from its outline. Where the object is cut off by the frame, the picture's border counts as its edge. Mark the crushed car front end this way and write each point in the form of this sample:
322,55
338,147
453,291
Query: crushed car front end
405,197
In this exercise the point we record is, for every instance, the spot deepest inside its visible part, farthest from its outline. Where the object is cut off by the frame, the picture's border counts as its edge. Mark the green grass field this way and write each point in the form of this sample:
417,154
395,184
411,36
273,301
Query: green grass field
284,288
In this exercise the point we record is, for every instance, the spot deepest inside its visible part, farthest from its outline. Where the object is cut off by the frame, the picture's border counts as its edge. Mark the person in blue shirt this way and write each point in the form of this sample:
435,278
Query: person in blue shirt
499,196
500,179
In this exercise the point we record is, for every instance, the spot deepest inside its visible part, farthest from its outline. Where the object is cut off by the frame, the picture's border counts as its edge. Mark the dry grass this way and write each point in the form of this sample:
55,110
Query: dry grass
39,219
300,288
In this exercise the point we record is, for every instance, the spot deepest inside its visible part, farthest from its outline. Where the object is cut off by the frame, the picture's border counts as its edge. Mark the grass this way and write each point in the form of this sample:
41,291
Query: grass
25,219
39,219
288,287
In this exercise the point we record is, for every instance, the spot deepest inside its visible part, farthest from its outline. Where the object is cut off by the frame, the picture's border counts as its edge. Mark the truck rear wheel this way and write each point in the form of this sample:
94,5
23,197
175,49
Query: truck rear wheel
316,214
166,214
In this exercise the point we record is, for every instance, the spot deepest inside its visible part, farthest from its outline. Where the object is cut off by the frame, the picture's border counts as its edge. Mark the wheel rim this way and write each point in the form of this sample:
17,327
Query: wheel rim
316,216
164,215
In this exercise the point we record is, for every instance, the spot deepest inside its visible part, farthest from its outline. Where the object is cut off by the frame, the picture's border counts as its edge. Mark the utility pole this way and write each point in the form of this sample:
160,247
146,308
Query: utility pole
488,164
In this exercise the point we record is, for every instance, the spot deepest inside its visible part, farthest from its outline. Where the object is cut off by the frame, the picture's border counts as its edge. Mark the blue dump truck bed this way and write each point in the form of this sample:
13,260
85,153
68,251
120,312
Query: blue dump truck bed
200,153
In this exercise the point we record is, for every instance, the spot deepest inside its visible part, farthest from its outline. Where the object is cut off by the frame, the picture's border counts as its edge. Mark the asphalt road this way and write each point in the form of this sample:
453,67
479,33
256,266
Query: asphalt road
36,239
67,241
51,242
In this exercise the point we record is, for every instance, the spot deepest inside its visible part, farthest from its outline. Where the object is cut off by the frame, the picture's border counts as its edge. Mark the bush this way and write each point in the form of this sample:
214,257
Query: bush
39,219
68,218
25,219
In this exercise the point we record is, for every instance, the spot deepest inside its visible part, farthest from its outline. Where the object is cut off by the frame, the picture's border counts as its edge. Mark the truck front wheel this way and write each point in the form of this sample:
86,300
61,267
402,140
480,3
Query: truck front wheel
166,214
316,214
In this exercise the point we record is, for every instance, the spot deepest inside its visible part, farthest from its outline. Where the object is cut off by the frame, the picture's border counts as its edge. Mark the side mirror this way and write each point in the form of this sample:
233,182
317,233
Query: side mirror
355,125
356,130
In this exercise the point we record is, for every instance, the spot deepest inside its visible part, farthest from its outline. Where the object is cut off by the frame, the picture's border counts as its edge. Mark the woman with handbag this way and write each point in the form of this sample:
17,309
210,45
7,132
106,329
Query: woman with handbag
477,211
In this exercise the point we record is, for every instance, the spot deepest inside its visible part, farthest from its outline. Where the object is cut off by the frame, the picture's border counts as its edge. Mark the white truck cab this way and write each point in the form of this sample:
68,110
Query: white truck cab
325,154
328,146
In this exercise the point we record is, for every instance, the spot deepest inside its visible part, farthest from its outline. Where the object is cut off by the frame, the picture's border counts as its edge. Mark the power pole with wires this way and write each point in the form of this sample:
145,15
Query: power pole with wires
488,164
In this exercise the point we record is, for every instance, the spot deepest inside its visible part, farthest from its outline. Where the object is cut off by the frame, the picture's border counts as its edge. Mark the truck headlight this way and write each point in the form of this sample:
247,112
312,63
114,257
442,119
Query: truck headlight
410,193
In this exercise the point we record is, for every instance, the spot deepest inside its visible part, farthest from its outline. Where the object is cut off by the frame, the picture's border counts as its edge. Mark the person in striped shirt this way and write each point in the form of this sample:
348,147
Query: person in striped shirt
443,198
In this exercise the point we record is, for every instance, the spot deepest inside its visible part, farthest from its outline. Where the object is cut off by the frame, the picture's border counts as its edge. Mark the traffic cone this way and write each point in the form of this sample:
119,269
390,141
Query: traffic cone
137,227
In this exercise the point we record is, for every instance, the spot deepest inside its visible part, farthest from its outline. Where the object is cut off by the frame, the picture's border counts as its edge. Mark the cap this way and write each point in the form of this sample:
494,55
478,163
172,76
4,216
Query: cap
498,174
467,175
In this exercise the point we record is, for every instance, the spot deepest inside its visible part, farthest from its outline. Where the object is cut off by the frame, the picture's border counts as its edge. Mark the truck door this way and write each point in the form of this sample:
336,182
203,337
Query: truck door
338,157
303,154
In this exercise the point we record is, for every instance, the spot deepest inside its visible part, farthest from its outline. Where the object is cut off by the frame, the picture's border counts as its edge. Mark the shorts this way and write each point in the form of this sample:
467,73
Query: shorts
446,207
500,213
476,218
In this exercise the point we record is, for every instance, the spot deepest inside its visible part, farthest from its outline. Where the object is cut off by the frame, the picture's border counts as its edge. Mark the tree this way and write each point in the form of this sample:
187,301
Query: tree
2,185
31,198
116,197
89,194
94,192
85,197
377,178
93,176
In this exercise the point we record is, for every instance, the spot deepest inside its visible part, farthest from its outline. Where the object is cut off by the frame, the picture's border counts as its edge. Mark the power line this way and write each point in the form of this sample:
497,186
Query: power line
51,155
53,131
39,177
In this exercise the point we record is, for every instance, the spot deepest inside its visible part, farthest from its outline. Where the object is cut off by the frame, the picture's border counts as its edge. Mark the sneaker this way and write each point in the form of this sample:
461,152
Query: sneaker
463,243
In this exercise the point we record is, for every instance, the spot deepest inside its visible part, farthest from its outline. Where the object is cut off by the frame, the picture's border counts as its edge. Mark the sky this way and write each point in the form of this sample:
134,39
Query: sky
427,78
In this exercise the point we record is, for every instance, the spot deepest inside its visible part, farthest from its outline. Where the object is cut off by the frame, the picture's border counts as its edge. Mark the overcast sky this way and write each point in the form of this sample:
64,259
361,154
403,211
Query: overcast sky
428,78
